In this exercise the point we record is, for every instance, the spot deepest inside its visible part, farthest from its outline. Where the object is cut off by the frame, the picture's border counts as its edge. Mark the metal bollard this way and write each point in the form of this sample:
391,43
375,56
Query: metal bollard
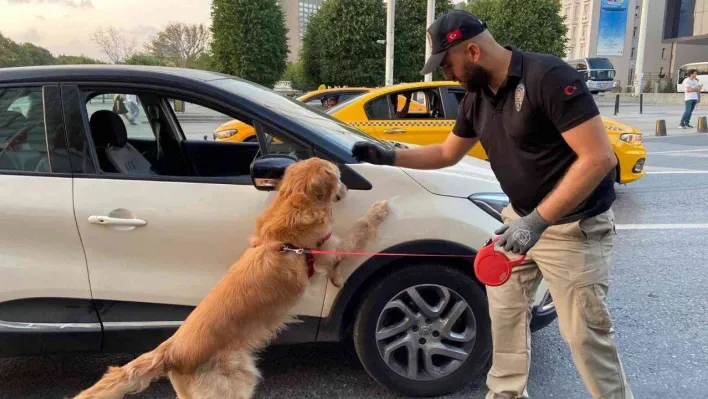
702,125
617,104
641,102
661,127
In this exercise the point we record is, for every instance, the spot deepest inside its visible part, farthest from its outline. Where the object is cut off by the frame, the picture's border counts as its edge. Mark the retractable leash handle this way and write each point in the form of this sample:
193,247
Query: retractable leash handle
492,267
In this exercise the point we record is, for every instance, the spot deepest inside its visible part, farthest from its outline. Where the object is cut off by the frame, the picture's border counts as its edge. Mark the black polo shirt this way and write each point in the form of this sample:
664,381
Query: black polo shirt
520,129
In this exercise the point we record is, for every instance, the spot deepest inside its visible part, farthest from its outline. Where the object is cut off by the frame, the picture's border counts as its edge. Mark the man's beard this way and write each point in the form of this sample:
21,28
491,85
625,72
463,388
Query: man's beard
475,77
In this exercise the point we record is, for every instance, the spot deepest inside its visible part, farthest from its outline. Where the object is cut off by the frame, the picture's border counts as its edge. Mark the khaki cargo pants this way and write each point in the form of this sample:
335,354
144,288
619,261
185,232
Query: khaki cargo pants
574,259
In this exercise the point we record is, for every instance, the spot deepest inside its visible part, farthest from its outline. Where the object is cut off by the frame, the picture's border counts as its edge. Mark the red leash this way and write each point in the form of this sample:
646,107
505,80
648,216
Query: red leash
306,251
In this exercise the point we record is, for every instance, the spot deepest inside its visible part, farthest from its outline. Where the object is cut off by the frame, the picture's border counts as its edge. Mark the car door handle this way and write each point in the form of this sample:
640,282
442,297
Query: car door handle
111,221
395,131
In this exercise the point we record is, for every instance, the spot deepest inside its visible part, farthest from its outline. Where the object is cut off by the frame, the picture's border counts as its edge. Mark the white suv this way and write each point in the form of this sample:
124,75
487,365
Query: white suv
114,227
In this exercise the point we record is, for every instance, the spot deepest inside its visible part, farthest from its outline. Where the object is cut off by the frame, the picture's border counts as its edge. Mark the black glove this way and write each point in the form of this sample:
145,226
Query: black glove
364,151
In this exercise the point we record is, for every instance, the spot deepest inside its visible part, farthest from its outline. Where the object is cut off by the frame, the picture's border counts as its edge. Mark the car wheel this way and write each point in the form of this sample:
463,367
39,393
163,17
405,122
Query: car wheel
424,330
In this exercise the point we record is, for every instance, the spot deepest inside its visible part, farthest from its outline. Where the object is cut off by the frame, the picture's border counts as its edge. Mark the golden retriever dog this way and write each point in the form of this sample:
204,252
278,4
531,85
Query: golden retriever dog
212,354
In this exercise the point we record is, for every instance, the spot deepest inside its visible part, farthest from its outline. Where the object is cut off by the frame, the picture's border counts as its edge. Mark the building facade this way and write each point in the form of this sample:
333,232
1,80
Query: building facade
610,28
297,16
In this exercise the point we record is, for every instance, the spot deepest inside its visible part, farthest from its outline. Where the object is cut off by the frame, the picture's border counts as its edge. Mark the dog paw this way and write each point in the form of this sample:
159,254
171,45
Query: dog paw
378,212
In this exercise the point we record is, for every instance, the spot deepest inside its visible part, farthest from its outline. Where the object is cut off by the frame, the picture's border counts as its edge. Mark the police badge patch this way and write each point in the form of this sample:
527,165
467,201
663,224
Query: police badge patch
519,96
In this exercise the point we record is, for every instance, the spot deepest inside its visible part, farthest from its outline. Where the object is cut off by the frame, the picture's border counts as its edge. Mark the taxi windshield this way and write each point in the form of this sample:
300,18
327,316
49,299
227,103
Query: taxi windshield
315,120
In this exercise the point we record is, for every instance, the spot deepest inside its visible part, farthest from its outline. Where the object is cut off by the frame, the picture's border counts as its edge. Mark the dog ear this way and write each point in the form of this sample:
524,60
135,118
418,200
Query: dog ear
322,184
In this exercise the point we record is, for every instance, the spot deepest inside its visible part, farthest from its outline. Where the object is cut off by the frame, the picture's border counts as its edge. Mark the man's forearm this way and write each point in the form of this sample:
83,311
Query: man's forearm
425,157
579,182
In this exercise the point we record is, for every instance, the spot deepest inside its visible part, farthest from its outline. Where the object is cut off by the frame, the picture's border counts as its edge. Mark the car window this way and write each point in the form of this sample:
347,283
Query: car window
455,96
129,107
421,104
23,143
378,108
200,123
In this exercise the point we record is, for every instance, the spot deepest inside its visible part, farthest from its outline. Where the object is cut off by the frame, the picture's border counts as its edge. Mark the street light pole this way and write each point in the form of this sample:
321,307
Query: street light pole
390,22
428,22
641,47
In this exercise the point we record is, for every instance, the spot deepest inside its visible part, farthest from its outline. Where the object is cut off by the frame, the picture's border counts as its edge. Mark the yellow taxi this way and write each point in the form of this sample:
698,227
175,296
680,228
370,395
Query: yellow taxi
236,130
373,113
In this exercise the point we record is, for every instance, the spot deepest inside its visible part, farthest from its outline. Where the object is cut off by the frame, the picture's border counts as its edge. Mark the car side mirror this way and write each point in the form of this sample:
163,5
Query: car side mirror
268,170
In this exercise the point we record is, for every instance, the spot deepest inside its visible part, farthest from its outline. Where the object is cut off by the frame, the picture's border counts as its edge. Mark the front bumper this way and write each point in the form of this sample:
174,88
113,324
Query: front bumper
631,159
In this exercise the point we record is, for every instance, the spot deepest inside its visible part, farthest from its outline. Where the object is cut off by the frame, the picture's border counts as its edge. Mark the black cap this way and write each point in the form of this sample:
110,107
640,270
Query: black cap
450,29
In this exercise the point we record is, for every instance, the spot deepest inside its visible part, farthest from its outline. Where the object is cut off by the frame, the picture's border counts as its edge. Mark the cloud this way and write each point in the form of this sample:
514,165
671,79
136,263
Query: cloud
67,3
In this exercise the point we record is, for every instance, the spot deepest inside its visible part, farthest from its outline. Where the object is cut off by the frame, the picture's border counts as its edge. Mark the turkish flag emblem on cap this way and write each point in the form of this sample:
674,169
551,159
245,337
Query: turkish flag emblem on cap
454,35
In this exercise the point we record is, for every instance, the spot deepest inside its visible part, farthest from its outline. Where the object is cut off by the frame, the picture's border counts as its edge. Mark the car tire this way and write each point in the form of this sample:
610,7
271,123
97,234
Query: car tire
380,307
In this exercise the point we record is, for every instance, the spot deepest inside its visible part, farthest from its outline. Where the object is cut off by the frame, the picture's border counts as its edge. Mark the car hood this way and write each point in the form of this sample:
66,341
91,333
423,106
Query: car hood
469,176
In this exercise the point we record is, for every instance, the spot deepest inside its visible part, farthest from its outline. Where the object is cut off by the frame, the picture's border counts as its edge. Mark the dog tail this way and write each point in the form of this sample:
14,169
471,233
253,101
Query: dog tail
132,378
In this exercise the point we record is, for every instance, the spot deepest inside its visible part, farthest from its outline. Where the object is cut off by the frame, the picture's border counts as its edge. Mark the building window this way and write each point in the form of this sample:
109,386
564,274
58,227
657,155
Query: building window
585,31
631,55
567,12
636,11
582,51
572,33
663,53
586,8
630,75
661,72
634,32
306,9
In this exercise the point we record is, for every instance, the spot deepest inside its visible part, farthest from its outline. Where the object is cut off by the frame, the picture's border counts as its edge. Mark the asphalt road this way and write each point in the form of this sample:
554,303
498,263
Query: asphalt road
658,299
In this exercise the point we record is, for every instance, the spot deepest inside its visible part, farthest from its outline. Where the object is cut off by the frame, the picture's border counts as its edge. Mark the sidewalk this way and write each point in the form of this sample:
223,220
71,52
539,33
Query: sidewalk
646,121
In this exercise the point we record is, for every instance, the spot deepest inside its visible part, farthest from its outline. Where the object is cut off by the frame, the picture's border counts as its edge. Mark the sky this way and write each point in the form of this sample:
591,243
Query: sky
65,26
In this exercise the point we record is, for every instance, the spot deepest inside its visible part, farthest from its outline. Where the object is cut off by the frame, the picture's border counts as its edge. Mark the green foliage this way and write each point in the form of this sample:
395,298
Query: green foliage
146,59
13,54
75,59
340,45
249,39
295,73
529,25
409,38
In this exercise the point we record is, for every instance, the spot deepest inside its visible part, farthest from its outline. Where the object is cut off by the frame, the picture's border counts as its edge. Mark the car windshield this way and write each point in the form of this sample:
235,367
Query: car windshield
320,122
600,63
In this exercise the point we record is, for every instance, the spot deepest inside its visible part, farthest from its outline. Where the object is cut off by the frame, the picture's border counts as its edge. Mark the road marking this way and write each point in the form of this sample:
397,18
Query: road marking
660,226
677,151
678,172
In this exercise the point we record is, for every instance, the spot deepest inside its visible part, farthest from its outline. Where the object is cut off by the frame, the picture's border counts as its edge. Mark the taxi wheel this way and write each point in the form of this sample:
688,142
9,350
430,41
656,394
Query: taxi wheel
424,330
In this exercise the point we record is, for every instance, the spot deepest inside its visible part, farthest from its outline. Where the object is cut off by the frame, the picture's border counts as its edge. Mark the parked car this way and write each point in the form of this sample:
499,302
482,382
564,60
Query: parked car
112,234
374,114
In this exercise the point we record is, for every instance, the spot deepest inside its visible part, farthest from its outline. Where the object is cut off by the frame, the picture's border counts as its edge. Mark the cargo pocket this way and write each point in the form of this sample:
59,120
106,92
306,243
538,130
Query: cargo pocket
592,299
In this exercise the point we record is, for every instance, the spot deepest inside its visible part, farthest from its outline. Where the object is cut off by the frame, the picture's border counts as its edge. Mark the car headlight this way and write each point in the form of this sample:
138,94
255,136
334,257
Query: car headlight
631,138
225,134
492,203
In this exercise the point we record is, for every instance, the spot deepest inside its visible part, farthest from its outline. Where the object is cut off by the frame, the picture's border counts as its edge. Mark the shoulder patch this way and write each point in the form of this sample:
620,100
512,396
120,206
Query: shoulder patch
572,89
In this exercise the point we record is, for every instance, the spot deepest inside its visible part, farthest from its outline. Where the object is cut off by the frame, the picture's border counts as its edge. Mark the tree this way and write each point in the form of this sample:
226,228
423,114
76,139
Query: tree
29,54
116,44
249,39
75,60
409,38
340,45
13,54
146,59
180,43
529,25
295,73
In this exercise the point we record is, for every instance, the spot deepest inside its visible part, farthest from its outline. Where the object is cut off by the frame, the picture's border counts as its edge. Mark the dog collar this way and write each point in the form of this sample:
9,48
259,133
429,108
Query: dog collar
309,256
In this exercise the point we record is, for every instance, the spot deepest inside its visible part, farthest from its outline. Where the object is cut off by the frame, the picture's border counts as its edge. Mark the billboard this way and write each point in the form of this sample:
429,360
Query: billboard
612,29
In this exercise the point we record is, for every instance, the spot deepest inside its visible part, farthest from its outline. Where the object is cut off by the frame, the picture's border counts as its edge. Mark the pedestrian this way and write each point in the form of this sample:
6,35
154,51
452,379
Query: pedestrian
131,104
692,87
547,145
